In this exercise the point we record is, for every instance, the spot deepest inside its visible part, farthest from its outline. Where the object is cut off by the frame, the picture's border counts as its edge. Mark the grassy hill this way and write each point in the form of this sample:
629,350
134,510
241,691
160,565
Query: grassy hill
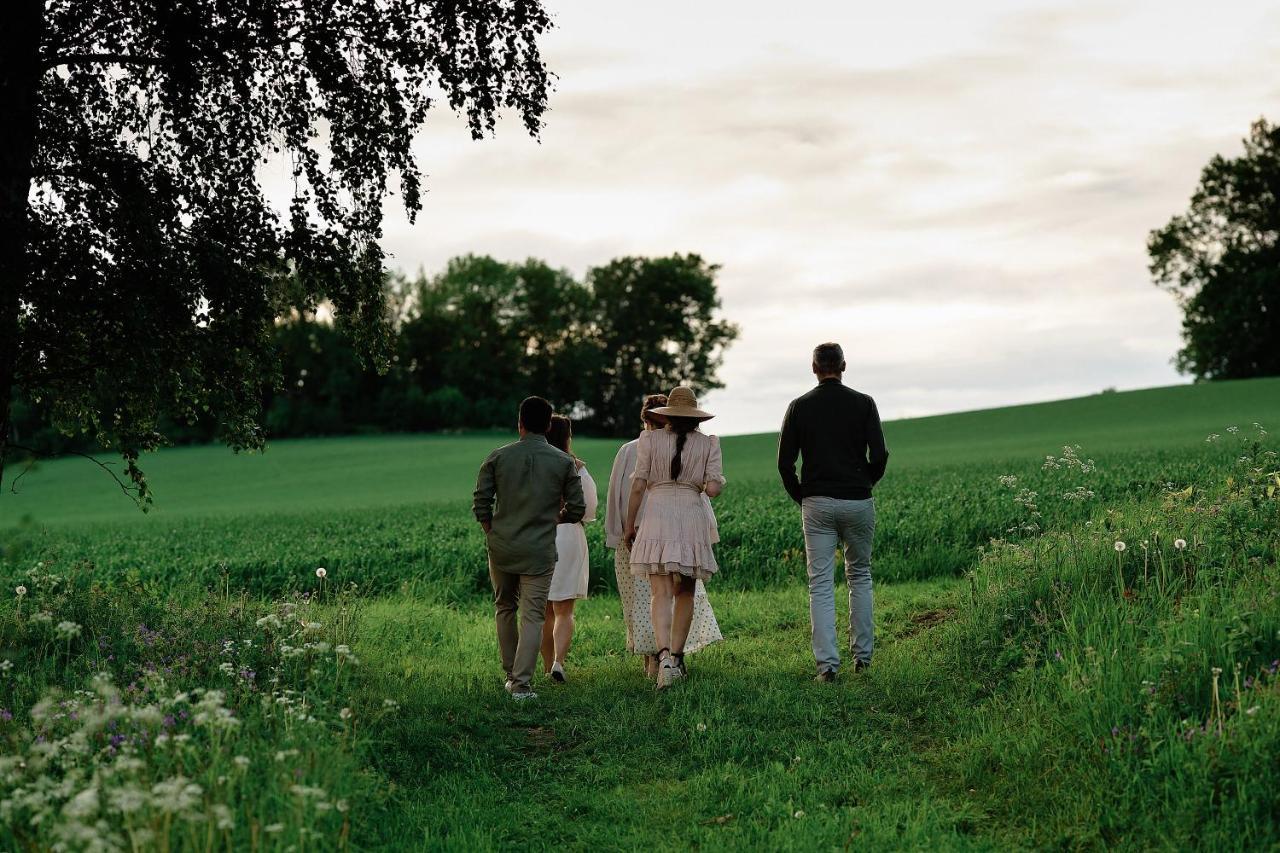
351,473
186,680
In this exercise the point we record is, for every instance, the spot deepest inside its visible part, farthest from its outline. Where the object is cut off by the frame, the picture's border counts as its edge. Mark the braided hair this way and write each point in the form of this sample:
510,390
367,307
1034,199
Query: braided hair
681,427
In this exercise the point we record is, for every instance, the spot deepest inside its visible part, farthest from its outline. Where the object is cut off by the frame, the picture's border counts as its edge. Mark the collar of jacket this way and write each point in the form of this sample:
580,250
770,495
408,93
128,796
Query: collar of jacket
533,436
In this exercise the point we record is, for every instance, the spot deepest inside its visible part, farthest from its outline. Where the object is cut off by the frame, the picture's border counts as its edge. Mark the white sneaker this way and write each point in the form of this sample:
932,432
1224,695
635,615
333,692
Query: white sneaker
668,674
557,672
524,695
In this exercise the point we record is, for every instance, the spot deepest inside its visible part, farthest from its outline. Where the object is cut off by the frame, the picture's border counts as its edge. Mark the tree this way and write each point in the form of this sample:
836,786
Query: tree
654,329
141,263
1221,260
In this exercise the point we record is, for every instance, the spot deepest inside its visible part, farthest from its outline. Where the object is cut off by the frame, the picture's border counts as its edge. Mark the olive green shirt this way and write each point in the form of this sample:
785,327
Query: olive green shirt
536,487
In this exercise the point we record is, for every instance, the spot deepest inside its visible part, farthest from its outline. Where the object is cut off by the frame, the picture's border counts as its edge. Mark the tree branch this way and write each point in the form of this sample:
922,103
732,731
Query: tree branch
132,492
102,58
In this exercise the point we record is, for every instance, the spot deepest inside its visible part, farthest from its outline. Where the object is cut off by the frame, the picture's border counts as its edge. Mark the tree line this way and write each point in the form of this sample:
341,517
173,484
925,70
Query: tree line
466,345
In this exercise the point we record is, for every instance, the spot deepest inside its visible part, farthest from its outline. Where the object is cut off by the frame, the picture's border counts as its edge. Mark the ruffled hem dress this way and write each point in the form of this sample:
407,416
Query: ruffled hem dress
677,530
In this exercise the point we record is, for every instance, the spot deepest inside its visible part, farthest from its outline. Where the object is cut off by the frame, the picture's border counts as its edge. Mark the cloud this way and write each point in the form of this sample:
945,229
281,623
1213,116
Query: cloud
965,192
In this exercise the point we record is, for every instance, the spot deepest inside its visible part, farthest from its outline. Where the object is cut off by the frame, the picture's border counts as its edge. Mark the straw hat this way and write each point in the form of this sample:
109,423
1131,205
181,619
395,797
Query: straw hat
682,404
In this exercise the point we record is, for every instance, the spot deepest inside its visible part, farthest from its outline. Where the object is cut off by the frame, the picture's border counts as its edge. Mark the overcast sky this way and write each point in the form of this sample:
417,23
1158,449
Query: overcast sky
959,193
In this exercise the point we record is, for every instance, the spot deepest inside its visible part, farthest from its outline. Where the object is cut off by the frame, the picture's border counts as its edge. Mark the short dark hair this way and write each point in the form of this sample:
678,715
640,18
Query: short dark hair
828,358
535,415
651,401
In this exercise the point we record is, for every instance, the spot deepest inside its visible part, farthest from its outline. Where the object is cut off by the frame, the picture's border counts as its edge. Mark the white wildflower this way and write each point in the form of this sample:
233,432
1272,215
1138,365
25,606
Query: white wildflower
702,727
20,590
321,573
1120,546
1180,544
345,713
67,629
273,828
241,761
269,621
222,816
6,665
799,814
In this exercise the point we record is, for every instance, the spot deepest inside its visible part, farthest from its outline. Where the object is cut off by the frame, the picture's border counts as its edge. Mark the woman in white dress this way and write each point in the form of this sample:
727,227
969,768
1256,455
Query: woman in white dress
672,543
634,591
572,573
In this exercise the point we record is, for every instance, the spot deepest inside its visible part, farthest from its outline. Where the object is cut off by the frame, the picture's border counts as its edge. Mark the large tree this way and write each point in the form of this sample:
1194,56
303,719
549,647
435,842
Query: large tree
655,328
1221,260
142,263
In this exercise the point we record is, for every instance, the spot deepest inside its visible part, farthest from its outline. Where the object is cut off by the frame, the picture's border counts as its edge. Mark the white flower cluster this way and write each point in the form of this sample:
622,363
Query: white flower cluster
1070,459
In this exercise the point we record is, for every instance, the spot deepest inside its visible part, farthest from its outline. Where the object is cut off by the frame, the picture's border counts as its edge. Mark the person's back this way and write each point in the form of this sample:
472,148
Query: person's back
837,432
530,478
535,487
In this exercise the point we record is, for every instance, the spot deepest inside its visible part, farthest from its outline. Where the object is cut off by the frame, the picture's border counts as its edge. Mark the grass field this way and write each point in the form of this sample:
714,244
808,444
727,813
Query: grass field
1041,690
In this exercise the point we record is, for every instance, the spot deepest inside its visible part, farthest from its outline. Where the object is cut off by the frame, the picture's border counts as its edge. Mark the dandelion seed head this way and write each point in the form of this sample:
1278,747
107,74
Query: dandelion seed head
1120,546
322,573
1180,544
20,590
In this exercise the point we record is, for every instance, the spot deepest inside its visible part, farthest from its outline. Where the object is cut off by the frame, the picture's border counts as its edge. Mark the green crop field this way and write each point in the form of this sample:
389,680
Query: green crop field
183,679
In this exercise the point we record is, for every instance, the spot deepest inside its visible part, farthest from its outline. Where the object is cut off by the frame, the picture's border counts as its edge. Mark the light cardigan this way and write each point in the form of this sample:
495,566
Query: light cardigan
615,509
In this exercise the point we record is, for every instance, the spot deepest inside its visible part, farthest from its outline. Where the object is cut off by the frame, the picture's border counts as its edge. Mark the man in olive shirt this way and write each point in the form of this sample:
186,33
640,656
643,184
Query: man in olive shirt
536,487
837,431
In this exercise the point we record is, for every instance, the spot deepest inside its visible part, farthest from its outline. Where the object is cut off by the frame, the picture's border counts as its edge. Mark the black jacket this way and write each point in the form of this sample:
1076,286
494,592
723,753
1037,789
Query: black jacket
837,431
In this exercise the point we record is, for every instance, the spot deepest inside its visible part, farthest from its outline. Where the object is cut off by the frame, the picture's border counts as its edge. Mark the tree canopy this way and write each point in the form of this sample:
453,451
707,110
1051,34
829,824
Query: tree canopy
469,343
142,264
1221,260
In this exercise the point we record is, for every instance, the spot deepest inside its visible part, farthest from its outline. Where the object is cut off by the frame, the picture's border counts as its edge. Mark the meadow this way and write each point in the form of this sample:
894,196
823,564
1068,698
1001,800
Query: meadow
1077,648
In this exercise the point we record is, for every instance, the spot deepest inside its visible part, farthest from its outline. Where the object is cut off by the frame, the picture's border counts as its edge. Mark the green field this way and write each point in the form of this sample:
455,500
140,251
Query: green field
1039,690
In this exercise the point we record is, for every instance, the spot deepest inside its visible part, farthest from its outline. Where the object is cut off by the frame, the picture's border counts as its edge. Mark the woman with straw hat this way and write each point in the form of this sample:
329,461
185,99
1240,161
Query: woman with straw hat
633,591
672,547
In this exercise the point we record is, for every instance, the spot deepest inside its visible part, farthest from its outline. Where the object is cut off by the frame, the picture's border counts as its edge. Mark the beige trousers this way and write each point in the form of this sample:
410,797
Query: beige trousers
519,647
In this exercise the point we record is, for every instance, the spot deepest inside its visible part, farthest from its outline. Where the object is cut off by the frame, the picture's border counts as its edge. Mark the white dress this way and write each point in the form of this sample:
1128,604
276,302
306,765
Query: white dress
573,561
634,591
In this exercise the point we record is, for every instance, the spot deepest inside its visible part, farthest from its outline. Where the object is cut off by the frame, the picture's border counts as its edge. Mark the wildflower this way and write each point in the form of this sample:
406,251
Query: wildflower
1213,436
321,573
222,816
66,629
702,727
20,590
342,649
341,805
269,621
241,761
1120,546
799,814
273,828
1251,711
6,665
390,704
1233,429
1180,544
345,713
1008,481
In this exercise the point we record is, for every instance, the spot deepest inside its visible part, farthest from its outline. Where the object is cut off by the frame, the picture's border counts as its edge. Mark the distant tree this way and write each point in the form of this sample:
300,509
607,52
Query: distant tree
1221,260
498,332
141,264
655,328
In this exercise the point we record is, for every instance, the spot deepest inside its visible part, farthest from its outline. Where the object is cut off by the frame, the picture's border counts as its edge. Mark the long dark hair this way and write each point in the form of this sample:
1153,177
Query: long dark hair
559,434
681,427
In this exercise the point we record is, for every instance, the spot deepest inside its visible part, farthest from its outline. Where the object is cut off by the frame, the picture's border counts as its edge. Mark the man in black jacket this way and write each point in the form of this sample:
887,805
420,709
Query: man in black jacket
837,432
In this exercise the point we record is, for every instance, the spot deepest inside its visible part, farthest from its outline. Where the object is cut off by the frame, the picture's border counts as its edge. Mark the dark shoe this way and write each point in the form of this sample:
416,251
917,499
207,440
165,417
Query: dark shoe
827,676
557,672
859,666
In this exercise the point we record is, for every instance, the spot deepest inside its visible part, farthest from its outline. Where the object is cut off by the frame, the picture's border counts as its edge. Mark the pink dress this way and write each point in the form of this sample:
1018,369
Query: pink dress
677,528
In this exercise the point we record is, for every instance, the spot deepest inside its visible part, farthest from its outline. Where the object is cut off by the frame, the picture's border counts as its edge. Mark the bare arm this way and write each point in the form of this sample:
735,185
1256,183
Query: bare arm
638,487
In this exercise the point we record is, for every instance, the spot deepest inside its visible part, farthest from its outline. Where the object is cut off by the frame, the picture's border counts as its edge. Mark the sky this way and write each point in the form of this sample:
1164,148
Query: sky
959,193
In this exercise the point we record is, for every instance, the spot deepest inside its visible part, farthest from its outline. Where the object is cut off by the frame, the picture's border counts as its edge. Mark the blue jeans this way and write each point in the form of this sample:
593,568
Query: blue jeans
827,522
